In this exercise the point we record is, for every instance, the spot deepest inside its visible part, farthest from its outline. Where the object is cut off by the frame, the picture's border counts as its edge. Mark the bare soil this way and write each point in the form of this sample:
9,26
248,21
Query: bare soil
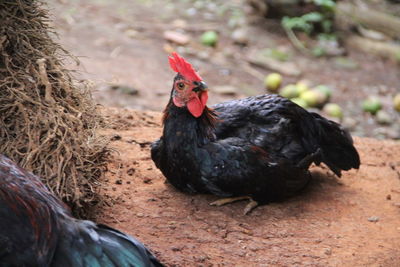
352,221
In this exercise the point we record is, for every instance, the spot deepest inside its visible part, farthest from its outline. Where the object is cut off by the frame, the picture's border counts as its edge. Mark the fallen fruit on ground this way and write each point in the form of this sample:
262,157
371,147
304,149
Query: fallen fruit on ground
273,81
209,38
333,110
289,91
396,102
371,105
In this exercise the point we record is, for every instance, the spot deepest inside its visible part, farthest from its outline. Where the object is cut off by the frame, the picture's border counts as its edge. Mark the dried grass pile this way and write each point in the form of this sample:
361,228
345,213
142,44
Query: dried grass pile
47,120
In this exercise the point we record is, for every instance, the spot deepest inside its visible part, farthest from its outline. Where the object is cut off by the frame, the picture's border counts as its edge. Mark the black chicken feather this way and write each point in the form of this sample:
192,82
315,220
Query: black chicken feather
274,122
36,229
259,146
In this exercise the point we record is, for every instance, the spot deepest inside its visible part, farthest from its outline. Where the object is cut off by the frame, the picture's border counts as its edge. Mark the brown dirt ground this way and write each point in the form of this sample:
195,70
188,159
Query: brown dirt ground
327,225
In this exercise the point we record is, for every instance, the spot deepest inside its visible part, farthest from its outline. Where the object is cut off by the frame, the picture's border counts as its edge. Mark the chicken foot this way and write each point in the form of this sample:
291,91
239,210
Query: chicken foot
249,207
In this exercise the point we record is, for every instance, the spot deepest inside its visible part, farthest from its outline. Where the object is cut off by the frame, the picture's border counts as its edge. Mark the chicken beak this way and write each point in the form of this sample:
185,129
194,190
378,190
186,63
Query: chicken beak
203,86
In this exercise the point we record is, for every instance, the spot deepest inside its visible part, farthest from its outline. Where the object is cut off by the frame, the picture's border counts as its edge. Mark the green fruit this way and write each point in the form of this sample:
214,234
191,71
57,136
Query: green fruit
333,110
325,90
371,105
289,91
312,98
273,81
301,87
322,97
396,102
209,38
299,102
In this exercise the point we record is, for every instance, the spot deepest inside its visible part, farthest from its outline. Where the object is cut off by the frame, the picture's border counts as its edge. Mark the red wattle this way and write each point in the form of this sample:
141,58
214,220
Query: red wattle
196,105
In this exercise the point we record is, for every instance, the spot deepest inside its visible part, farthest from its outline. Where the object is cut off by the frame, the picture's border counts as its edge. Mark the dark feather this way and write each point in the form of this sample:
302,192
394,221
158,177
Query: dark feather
36,229
258,146
277,123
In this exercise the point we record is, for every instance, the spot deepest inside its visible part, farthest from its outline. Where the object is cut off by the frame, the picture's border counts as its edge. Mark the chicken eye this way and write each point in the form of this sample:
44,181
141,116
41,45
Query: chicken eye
181,85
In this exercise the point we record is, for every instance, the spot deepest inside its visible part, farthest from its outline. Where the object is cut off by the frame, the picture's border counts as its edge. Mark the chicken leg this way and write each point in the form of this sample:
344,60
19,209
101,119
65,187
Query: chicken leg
249,207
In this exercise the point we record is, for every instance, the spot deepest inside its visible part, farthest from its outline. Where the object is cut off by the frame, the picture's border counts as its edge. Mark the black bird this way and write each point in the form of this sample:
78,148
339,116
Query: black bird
257,148
36,229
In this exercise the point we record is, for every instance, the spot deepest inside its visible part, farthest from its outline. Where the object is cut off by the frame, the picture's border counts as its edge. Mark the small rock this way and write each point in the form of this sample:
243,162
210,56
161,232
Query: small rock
389,197
119,181
225,90
373,219
202,258
240,36
327,251
115,137
147,180
176,37
396,204
131,171
139,214
382,117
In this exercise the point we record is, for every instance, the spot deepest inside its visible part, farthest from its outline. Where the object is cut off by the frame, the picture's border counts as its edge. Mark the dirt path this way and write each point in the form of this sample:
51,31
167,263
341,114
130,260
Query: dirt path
353,221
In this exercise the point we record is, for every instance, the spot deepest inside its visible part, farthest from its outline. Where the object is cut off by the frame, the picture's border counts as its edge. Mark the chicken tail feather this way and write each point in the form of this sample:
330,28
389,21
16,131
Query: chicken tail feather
336,143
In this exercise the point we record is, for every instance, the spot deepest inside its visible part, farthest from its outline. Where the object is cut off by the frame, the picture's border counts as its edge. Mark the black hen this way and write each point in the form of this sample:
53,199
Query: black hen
259,147
36,229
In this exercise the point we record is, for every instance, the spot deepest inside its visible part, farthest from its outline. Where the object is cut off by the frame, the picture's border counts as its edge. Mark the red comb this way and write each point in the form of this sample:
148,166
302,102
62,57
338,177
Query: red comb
179,64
